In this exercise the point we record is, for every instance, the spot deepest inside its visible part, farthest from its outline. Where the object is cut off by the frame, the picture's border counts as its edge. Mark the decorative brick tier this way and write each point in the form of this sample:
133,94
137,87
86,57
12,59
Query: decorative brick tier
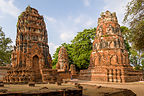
30,57
111,74
109,60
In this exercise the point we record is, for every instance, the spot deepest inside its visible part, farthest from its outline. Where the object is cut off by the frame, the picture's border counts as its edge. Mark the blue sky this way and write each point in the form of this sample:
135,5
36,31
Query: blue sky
63,18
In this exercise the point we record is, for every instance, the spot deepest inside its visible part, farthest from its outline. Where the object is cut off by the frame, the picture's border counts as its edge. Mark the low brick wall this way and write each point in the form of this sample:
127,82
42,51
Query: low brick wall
74,92
64,75
3,71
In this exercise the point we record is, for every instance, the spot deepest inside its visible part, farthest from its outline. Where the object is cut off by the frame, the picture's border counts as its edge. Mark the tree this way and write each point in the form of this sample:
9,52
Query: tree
126,34
55,57
82,47
136,56
79,50
5,49
135,17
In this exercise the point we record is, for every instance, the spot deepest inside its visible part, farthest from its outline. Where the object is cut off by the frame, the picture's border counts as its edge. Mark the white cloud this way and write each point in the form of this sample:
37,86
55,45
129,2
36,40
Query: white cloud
66,29
53,48
1,16
66,36
69,27
86,2
117,6
7,7
90,22
85,21
50,19
78,19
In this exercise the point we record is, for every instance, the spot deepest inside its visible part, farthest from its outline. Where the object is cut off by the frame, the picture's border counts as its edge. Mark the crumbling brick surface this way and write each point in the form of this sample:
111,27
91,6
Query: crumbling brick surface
62,65
63,62
109,58
30,57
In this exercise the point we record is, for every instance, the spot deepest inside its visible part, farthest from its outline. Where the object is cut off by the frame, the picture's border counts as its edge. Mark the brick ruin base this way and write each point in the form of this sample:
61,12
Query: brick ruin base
111,74
109,61
51,76
24,76
64,74
31,60
62,65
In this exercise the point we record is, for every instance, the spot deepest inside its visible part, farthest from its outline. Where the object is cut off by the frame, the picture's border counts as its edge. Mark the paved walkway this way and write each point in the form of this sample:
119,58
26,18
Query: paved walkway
136,87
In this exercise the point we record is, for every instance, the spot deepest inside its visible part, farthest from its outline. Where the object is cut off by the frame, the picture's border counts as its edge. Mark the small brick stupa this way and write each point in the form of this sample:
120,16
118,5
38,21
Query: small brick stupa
62,65
63,62
109,60
31,61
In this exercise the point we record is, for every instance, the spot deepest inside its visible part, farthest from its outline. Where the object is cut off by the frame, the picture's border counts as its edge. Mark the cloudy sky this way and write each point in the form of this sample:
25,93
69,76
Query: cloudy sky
63,18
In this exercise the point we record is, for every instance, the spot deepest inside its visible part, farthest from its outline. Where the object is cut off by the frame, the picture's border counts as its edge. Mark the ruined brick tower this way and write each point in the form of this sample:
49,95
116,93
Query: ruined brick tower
63,62
109,59
31,53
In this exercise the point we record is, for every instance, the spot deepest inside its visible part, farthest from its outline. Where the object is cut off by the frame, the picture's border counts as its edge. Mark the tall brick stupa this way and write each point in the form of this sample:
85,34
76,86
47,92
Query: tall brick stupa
109,60
30,56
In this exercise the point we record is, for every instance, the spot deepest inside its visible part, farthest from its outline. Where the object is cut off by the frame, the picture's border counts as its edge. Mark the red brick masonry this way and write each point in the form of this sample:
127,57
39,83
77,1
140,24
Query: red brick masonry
109,60
31,61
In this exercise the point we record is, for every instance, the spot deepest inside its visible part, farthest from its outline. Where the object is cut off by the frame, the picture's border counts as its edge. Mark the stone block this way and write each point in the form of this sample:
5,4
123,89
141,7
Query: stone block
31,84
1,84
3,90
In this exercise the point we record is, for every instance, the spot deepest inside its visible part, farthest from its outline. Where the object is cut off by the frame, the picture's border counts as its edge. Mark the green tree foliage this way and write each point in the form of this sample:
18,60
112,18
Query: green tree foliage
136,56
82,47
55,58
5,49
79,50
126,34
134,16
137,59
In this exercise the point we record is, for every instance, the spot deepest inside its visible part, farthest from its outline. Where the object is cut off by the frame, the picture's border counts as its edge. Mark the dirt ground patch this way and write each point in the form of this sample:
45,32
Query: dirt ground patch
25,87
136,87
88,90
92,90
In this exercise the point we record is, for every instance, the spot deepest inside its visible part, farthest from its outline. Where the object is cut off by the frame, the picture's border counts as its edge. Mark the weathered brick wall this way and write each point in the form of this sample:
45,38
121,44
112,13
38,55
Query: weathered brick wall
31,53
109,60
3,71
64,75
51,76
